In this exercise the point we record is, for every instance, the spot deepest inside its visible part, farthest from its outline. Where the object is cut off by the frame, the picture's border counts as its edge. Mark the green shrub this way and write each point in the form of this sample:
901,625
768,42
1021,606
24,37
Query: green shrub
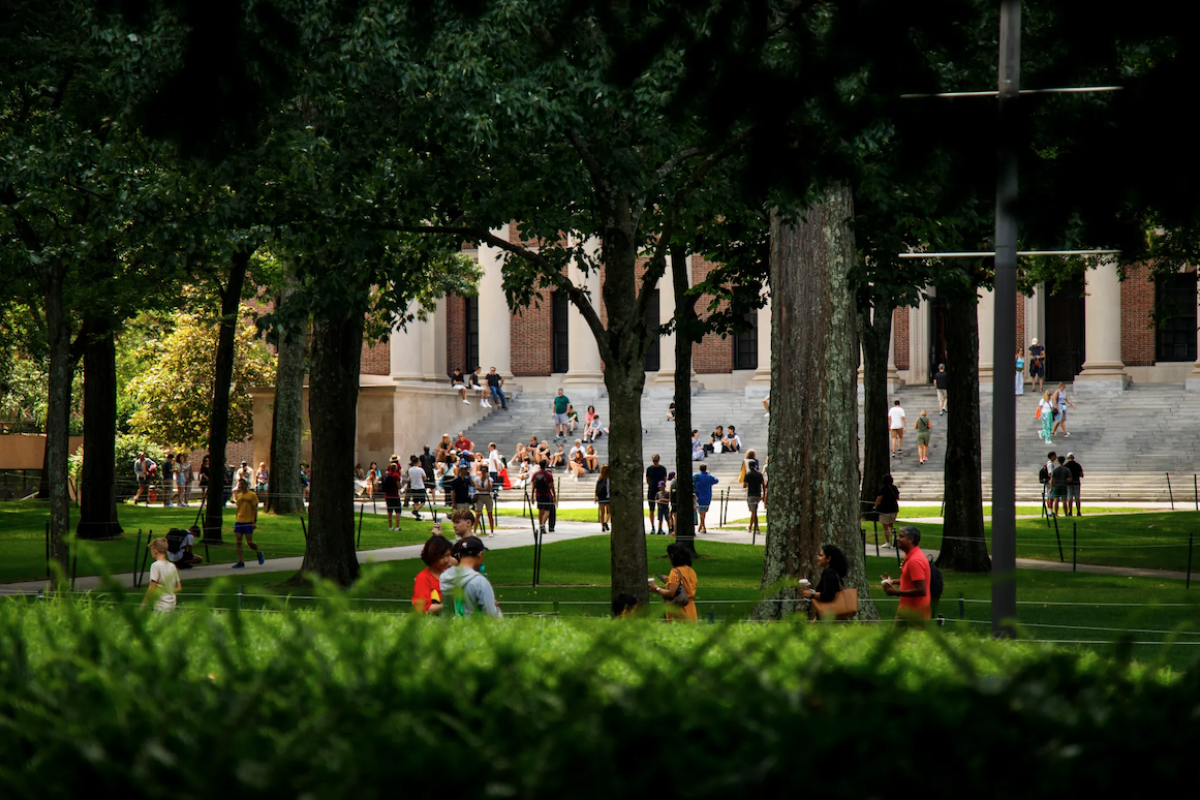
107,701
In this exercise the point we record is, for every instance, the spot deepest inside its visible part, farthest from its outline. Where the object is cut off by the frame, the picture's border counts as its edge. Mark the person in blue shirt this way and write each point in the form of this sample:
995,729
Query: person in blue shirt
703,484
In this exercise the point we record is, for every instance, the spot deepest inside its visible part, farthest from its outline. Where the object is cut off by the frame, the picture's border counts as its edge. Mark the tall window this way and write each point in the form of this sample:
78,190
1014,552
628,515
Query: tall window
652,362
745,345
560,356
1175,317
471,352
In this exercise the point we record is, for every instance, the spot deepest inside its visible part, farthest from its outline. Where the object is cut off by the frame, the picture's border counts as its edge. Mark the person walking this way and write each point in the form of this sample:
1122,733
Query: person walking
940,382
703,484
205,472
143,470
896,424
923,426
756,492
417,495
887,503
245,522
495,383
656,473
834,569
560,403
662,501
543,495
682,578
1037,365
168,479
1075,486
1045,413
1061,401
470,592
602,496
915,579
1020,362
164,579
393,486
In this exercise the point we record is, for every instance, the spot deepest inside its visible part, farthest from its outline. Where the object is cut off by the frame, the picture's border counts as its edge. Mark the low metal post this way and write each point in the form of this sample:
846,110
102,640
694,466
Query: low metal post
1074,547
145,558
1170,493
358,541
556,608
962,607
863,532
1196,491
74,566
137,545
899,561
240,593
1059,538
1188,582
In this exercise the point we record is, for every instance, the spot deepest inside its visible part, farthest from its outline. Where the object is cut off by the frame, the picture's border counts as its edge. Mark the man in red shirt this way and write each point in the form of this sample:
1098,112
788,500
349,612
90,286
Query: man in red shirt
463,443
914,578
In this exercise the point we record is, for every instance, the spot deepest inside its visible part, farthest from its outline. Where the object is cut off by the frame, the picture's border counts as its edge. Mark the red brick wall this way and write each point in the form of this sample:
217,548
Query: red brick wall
531,330
714,354
376,358
1021,343
456,333
1137,317
900,333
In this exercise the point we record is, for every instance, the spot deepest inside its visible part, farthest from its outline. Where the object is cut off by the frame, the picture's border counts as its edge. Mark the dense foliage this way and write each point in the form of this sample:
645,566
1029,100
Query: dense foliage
322,704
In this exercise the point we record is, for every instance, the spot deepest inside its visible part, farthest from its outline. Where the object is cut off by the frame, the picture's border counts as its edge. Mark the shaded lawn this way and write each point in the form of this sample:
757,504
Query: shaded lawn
1151,540
1053,606
23,537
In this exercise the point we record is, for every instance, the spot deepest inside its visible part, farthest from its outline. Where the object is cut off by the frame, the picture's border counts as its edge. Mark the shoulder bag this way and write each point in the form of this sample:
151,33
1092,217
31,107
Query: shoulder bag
680,598
844,604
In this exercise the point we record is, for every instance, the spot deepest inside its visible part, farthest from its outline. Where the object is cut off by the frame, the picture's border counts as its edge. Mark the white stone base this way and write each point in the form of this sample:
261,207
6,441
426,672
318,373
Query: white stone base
585,386
759,386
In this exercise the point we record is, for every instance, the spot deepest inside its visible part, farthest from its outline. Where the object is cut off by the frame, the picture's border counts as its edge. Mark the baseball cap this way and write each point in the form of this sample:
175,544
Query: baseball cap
1070,455
468,546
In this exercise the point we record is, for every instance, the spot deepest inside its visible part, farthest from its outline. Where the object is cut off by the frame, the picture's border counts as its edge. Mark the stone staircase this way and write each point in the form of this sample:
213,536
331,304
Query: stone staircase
1127,442
530,416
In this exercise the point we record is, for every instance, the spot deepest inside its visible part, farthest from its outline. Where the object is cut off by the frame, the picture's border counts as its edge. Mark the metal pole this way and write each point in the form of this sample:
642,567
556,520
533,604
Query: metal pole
137,545
1196,491
1074,547
1188,582
48,550
358,543
1170,493
1061,558
1004,433
962,607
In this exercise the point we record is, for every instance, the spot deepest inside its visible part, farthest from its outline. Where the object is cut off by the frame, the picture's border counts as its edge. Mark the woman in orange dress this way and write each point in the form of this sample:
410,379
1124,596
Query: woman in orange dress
681,574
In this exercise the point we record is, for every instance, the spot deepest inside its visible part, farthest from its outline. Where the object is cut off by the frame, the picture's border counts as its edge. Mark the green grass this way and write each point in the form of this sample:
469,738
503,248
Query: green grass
575,582
913,512
23,538
1151,540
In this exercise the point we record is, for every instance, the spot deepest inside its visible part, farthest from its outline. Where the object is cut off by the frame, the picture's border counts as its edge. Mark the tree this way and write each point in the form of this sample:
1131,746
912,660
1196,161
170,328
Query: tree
176,393
813,436
287,423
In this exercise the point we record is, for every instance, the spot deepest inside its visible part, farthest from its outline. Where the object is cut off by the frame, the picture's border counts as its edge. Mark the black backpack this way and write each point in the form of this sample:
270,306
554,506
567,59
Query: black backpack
175,539
541,483
936,584
1043,475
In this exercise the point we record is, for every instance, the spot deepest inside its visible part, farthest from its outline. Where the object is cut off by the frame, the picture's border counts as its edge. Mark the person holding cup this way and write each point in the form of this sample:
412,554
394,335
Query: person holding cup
834,567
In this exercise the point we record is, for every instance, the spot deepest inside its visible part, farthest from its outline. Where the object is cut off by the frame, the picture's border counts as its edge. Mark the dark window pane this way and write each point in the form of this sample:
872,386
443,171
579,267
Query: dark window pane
472,341
745,345
1175,317
652,362
560,357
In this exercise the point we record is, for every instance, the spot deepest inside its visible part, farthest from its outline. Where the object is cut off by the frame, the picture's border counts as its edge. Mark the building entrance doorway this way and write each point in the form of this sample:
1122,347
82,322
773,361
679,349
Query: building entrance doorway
1065,342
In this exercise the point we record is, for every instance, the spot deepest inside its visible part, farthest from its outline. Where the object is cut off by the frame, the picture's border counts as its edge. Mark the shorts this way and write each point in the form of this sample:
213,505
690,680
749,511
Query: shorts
545,505
394,504
416,495
897,431
1058,491
703,508
560,419
1073,491
484,500
603,502
941,393
753,502
143,481
462,506
1035,371
923,437
887,519
243,528
1062,416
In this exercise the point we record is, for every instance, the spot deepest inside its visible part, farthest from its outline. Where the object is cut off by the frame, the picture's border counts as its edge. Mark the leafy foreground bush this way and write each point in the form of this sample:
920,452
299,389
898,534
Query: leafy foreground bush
98,702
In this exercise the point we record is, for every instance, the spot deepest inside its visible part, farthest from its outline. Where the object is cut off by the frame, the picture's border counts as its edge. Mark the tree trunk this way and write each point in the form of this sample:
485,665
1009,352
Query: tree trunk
629,563
58,416
98,488
685,315
287,424
218,432
333,409
813,439
963,487
875,332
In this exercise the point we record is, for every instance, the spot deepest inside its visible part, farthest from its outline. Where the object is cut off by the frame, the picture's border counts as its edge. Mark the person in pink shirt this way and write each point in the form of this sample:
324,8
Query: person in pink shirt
914,579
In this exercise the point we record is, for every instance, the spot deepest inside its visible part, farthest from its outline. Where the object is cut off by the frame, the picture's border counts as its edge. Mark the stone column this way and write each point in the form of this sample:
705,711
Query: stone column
987,335
433,350
495,320
663,383
407,351
1104,370
1035,317
760,385
584,378
893,374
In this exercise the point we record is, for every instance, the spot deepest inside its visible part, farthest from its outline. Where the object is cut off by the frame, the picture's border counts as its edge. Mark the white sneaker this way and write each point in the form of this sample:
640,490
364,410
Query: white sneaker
767,414
468,402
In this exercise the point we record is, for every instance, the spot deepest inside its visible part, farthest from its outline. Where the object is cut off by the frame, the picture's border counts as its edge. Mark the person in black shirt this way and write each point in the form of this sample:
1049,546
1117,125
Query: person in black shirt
887,503
1074,486
1060,479
834,567
460,489
940,381
655,474
495,383
459,384
756,490
1037,365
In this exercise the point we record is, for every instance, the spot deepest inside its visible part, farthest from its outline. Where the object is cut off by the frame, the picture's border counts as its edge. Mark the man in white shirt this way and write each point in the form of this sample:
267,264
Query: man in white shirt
578,448
416,485
896,423
494,462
